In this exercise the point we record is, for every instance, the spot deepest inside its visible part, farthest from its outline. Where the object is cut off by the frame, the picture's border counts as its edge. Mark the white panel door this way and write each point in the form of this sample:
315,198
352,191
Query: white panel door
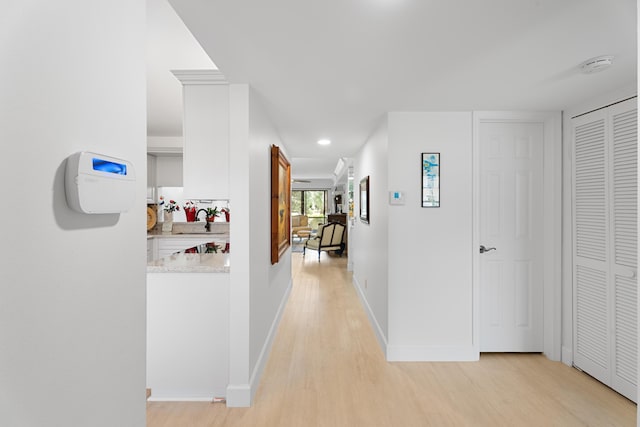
511,219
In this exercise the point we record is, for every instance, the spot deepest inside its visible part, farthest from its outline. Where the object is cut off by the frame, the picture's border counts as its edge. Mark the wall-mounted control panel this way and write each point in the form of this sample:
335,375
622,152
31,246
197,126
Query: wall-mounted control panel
396,197
99,184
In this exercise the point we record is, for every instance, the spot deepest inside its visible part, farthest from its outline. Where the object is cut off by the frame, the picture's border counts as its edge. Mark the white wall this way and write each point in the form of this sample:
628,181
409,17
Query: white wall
369,250
567,191
430,249
72,286
269,283
258,289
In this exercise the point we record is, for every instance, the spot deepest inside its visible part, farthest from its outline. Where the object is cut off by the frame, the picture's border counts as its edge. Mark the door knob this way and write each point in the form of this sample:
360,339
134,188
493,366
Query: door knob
483,249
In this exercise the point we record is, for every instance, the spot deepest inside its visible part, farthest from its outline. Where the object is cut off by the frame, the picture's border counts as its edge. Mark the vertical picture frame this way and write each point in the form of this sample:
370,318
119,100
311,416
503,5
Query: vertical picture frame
430,169
280,204
364,200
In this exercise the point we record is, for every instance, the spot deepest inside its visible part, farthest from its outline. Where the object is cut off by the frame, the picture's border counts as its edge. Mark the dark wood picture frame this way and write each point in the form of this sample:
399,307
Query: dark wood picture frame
280,204
430,180
364,200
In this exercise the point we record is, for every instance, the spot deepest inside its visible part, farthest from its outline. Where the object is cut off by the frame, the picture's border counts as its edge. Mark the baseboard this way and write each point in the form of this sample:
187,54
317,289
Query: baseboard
382,339
424,353
567,356
241,395
181,399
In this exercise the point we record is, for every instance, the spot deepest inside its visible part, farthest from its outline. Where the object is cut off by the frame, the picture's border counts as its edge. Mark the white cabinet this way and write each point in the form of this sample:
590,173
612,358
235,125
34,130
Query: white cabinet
169,170
206,134
187,335
605,245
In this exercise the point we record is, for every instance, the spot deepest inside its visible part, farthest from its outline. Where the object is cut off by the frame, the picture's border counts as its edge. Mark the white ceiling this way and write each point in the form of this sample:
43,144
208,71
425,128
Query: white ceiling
332,68
170,46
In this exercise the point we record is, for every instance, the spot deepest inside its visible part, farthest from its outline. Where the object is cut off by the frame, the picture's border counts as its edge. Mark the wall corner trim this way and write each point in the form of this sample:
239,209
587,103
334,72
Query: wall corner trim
241,395
382,339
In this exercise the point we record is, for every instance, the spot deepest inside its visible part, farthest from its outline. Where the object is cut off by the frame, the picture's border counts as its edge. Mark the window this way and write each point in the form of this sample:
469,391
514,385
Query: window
311,203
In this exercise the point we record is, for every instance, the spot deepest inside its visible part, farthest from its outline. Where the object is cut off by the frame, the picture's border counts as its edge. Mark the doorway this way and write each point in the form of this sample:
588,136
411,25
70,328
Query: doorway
517,286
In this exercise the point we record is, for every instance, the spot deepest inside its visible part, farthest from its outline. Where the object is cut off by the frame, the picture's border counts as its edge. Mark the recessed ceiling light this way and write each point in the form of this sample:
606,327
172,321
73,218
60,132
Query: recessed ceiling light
324,142
597,64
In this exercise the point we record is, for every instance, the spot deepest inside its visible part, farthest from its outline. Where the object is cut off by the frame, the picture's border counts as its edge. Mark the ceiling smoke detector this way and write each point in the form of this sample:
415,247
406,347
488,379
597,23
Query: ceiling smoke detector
597,64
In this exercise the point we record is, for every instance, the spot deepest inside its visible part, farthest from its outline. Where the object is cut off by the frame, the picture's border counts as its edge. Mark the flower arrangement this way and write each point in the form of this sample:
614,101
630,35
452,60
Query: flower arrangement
212,213
170,206
189,205
190,211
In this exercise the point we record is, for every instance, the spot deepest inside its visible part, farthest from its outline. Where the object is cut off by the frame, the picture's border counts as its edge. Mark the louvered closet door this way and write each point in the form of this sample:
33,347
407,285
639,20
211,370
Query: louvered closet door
624,188
605,246
591,219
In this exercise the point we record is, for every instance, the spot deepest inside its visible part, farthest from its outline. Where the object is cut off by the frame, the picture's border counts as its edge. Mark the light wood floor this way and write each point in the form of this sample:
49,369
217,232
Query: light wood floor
327,369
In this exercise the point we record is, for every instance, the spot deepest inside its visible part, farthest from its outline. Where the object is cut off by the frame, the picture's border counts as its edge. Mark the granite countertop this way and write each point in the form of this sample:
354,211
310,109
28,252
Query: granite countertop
210,257
191,263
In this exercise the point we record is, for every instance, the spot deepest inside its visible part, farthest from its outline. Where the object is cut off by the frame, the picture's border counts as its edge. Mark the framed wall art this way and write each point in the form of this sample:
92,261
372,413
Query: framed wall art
364,199
280,204
430,180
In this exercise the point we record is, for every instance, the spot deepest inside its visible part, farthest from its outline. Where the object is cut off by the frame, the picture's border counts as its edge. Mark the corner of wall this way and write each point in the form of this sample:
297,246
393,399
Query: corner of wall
567,356
382,339
239,395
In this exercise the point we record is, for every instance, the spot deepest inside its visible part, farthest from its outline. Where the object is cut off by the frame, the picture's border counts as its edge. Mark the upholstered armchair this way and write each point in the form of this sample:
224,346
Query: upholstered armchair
330,237
300,223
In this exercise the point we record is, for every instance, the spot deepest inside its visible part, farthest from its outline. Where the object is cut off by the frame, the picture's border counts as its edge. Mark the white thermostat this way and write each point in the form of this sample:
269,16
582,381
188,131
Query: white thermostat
99,184
396,198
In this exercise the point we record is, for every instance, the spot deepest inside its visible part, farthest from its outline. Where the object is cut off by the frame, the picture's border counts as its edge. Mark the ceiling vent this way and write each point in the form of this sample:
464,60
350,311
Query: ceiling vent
597,64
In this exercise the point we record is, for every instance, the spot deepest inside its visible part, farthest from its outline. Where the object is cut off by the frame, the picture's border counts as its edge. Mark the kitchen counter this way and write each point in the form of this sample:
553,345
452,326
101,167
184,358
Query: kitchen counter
191,263
188,312
198,259
188,326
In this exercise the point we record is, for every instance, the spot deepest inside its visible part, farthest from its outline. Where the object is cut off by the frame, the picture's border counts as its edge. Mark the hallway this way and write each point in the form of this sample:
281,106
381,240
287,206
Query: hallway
327,369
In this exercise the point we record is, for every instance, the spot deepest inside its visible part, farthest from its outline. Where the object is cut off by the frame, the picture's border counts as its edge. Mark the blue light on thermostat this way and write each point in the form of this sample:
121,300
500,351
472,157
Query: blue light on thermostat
107,166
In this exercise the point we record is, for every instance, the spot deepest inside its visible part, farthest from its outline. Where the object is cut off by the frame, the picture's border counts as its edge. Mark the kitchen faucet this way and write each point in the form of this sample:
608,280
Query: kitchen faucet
207,226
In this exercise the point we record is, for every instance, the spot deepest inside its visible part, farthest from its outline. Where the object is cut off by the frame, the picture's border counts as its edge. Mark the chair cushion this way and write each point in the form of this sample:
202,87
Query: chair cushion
313,243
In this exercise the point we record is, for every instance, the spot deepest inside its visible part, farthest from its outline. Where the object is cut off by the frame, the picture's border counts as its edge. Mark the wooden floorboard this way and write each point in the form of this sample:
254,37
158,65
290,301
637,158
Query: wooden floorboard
327,369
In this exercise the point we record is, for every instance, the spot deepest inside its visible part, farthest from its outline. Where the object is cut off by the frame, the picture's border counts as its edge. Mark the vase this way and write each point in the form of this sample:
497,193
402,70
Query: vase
226,216
191,214
211,218
168,216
